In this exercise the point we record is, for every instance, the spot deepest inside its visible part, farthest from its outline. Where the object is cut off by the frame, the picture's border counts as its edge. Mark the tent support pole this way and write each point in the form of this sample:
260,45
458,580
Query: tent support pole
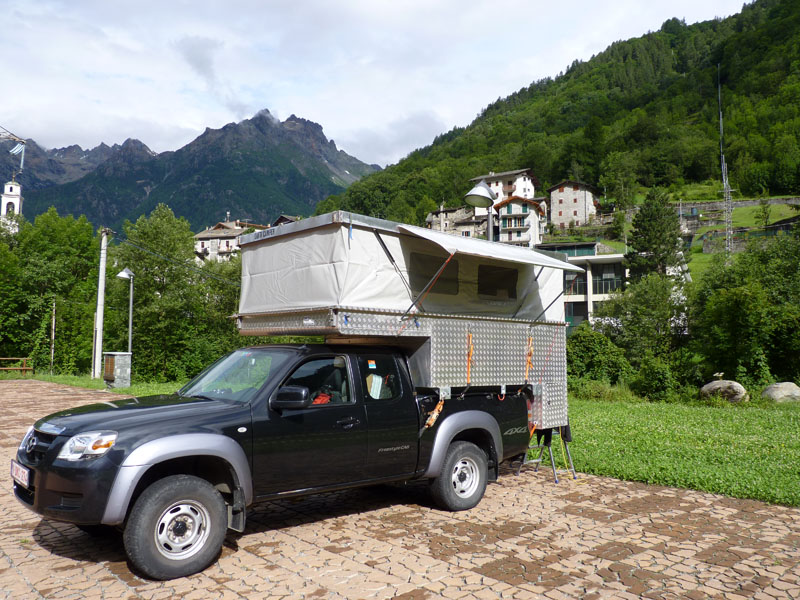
549,305
427,288
394,264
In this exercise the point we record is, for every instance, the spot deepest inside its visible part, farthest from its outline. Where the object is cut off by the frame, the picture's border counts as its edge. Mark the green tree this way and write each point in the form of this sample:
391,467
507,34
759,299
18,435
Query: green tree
648,318
53,259
168,310
655,237
745,316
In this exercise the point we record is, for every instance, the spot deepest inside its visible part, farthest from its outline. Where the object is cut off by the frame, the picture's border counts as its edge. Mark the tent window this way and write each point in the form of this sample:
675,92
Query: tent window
423,268
499,282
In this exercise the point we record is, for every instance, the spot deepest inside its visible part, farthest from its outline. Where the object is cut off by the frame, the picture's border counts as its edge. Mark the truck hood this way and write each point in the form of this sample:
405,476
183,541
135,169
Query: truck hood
129,412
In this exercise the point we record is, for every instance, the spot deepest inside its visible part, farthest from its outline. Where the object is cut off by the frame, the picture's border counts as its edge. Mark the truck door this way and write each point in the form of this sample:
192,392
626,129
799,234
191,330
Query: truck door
391,415
323,444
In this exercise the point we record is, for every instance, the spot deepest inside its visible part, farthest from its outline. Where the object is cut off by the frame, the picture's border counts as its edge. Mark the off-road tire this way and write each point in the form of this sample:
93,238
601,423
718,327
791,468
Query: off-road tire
176,527
462,482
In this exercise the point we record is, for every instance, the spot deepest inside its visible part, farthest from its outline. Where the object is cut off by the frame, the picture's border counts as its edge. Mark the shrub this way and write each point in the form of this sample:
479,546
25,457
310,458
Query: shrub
590,354
655,380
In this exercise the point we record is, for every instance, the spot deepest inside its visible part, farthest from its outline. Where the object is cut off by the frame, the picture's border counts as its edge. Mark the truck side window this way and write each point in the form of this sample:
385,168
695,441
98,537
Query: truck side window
381,377
325,378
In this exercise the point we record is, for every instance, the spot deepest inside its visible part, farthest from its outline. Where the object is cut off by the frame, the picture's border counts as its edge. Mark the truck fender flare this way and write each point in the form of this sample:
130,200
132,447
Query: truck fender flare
455,424
175,446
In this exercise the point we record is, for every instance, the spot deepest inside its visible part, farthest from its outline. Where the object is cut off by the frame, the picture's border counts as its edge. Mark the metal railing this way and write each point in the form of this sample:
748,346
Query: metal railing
606,286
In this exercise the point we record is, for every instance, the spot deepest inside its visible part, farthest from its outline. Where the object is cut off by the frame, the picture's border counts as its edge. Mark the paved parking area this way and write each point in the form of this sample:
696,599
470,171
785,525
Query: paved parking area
529,538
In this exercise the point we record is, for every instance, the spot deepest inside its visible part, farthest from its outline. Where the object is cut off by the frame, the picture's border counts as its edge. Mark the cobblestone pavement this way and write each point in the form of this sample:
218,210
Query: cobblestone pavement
529,538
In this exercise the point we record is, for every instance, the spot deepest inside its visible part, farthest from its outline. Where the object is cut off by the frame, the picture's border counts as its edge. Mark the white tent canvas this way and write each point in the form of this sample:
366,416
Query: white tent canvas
347,260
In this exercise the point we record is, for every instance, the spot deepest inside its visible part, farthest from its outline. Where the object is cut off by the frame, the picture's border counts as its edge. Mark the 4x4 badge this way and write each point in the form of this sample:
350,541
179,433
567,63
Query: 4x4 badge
32,441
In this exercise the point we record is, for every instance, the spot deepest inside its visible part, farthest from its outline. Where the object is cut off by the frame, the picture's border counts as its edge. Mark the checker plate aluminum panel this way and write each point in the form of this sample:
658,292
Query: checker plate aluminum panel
499,347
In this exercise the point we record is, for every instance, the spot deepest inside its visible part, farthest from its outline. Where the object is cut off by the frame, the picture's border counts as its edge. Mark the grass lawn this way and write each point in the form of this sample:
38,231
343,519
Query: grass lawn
741,451
85,381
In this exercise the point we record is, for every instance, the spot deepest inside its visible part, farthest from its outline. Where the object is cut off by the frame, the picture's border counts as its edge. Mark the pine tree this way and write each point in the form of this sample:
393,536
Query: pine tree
655,238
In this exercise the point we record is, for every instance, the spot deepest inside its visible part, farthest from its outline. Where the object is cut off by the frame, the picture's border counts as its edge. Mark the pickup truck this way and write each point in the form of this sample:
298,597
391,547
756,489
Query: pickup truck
175,472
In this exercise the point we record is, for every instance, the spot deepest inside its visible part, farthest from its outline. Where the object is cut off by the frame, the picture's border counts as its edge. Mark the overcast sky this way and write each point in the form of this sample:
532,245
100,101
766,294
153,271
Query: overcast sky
382,78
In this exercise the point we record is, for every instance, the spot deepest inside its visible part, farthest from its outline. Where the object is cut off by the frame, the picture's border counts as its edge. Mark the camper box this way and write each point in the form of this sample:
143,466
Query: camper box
468,312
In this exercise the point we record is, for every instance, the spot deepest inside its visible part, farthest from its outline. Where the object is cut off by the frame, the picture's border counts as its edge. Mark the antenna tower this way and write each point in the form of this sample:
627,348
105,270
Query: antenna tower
726,188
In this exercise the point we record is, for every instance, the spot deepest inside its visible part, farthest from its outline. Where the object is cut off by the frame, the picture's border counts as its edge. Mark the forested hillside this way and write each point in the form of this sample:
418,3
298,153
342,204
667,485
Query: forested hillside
642,113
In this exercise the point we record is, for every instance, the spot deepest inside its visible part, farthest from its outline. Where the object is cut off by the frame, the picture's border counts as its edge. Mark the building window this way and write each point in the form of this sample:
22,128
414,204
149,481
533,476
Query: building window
560,214
508,209
577,223
561,224
575,188
574,200
574,213
561,189
561,201
519,235
524,209
202,245
465,234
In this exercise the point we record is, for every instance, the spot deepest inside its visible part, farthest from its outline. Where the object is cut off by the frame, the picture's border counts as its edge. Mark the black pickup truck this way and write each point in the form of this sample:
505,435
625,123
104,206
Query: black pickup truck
175,472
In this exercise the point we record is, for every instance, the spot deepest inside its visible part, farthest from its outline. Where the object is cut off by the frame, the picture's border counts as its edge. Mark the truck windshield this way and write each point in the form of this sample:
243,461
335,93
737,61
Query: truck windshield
238,376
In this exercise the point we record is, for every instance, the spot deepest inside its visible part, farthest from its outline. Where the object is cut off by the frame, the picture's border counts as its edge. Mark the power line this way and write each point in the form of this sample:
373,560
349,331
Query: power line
180,263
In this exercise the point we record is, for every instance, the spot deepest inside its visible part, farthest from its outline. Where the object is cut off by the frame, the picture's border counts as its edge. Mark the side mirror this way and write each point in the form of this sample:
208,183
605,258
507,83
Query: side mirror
290,397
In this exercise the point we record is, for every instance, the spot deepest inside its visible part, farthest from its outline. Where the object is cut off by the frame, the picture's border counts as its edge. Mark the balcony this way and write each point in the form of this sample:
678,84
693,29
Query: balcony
607,285
575,288
514,226
509,189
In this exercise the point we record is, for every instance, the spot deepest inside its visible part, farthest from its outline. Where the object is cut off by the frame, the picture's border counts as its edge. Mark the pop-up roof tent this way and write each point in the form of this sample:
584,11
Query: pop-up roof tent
468,312
347,260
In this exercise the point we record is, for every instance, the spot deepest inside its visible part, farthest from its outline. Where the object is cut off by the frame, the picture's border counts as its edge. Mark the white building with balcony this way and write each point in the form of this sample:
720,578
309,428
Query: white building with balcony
583,292
221,241
520,221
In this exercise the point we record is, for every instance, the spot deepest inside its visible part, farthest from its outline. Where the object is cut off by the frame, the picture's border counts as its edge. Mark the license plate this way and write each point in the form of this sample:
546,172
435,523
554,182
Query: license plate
20,474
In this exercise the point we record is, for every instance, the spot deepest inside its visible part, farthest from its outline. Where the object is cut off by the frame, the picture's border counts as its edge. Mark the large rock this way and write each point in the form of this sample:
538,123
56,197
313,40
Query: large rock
782,392
732,391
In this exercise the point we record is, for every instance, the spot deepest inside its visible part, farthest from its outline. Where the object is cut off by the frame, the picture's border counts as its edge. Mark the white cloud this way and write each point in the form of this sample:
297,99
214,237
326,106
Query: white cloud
381,77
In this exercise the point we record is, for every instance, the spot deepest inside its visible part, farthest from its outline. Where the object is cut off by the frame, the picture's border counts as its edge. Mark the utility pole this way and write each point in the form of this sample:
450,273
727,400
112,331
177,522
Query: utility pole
726,188
101,294
53,336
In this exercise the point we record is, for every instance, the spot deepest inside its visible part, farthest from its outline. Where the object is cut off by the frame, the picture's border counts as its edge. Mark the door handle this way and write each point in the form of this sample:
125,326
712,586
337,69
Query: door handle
348,422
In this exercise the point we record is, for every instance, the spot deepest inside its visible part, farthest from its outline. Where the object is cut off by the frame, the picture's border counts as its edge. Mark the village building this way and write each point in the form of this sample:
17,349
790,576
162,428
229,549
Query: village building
572,203
520,221
584,292
221,241
461,220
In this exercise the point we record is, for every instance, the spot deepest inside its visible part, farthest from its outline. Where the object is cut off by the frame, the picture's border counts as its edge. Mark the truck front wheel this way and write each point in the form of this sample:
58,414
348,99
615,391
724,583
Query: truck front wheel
462,482
176,527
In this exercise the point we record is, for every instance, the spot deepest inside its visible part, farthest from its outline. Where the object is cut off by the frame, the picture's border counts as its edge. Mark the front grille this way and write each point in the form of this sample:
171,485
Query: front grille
40,447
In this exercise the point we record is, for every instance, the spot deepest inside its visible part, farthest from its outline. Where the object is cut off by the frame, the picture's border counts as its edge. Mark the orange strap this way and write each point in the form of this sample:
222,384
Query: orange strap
434,414
529,358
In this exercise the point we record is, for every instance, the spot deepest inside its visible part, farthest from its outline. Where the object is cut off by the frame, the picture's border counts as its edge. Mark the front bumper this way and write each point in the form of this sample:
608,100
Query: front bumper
75,492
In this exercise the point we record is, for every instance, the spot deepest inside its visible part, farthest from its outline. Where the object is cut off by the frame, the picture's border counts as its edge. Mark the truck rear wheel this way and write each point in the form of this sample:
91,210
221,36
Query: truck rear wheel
176,527
462,482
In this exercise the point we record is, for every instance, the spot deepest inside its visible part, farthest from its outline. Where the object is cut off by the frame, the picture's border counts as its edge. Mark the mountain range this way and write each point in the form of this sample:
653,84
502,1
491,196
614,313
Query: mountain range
256,169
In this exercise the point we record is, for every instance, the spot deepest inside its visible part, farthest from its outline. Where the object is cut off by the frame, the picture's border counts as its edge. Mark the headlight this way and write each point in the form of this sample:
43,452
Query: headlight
90,444
25,438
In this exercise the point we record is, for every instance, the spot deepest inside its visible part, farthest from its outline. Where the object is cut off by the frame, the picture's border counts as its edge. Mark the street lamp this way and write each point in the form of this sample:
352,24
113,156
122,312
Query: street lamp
126,273
482,196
